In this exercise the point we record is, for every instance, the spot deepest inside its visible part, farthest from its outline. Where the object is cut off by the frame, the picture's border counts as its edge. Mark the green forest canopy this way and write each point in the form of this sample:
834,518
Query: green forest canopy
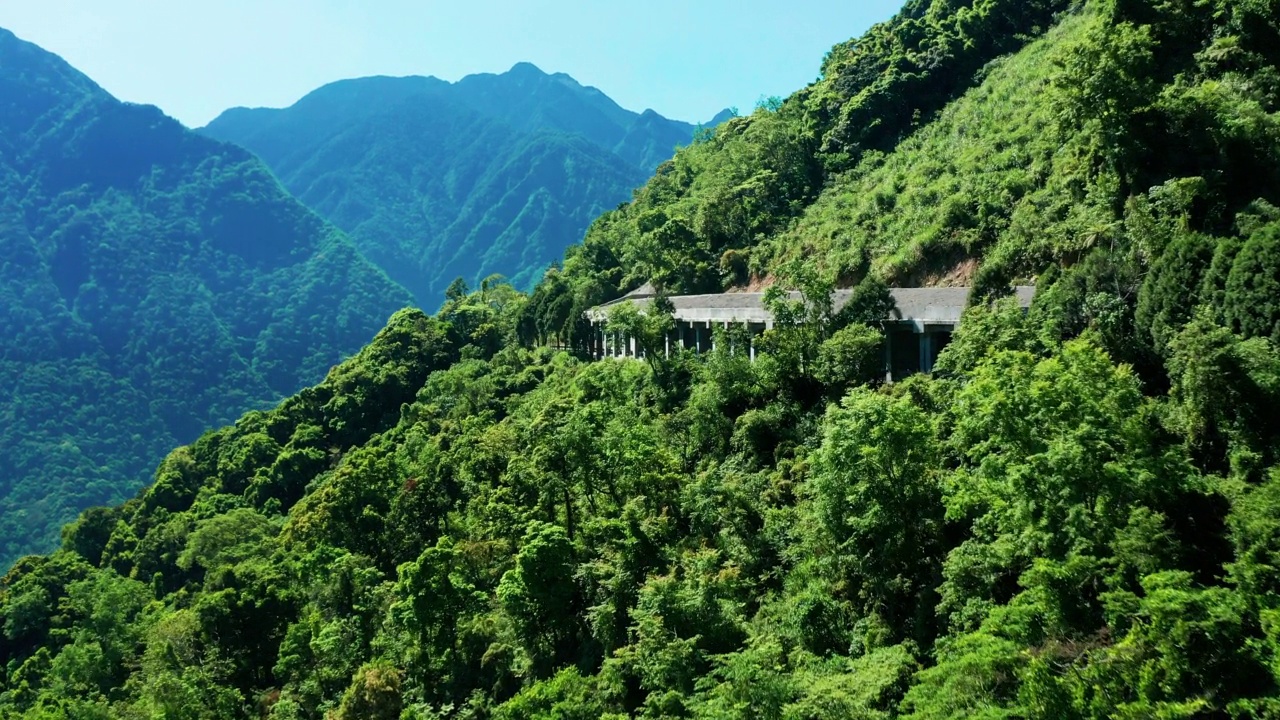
1074,517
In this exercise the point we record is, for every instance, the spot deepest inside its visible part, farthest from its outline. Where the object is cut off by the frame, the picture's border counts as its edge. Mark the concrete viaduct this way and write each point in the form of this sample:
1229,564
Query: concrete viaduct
919,327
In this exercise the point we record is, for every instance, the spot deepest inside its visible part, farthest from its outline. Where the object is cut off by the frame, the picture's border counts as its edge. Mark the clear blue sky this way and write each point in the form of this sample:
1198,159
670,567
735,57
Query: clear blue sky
686,59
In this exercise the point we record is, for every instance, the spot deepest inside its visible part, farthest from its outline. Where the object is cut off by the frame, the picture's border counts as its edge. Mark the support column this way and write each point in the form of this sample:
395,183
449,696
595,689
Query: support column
888,355
926,343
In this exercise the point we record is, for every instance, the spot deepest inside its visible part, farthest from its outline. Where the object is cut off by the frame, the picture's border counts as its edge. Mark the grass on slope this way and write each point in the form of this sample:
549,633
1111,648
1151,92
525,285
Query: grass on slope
989,164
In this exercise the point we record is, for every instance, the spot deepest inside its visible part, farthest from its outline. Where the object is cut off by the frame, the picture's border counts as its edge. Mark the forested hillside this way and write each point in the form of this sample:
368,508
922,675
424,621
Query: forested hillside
436,180
153,283
1074,516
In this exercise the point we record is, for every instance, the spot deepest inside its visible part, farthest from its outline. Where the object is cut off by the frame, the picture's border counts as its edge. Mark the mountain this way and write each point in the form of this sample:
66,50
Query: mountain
153,283
1073,516
496,173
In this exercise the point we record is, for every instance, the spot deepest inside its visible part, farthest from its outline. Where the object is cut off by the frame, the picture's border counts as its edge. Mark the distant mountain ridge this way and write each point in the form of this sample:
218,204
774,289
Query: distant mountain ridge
496,173
154,283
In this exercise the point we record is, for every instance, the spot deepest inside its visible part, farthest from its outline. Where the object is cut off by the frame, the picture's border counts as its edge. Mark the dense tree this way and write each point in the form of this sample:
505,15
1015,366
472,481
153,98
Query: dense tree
876,494
1252,301
1073,517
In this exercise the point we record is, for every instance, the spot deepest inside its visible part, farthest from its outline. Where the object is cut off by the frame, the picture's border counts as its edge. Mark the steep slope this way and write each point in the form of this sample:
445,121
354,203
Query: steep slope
1041,159
1074,517
1051,157
434,181
948,193
153,283
740,204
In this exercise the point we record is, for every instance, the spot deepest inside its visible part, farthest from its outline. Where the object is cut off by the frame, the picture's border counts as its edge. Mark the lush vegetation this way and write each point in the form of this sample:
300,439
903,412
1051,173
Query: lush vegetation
153,283
436,180
1075,516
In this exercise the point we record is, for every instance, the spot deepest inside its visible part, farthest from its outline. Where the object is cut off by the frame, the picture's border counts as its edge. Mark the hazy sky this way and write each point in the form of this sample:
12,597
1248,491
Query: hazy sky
687,59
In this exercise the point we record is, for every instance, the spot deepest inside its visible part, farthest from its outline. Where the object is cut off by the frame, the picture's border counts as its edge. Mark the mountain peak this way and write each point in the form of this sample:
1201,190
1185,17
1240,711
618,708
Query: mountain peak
723,116
17,54
526,69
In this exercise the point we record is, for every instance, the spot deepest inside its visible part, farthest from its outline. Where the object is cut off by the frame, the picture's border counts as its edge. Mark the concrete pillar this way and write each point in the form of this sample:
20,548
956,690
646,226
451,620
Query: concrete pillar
888,355
926,352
